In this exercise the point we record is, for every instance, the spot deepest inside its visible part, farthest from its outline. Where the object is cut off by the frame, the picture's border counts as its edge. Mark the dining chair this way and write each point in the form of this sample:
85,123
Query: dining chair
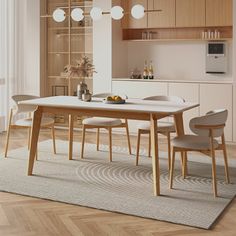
164,127
46,122
104,123
206,129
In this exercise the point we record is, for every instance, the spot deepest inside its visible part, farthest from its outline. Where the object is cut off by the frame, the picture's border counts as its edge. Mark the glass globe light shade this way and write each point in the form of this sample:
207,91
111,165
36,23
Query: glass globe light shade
96,13
77,14
59,15
117,12
138,11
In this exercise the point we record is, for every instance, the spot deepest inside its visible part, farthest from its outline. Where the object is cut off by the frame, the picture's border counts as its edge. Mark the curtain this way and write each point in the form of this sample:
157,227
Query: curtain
17,19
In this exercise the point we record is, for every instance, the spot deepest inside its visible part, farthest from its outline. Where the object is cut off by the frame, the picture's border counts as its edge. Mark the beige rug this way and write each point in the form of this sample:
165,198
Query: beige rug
119,186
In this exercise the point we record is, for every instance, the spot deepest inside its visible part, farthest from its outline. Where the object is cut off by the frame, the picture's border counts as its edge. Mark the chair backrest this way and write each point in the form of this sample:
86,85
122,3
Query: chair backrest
166,98
23,108
216,117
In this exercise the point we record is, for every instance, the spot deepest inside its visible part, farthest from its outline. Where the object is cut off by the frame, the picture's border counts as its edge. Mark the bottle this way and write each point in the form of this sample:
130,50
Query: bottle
145,71
150,72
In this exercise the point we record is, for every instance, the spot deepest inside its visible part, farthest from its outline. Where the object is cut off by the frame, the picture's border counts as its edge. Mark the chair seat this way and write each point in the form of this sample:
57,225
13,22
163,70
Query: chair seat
161,127
27,122
193,142
102,122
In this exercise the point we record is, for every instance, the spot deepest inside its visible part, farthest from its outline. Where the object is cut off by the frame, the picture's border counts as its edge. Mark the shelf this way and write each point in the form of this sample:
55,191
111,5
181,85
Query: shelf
64,77
72,28
169,40
58,53
177,34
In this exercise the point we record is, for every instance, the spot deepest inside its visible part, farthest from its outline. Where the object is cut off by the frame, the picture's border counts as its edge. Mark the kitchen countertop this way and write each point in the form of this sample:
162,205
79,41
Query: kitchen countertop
176,81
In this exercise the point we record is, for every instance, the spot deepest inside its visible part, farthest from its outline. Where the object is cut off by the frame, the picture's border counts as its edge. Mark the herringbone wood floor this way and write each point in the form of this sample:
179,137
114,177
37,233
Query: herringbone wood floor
26,216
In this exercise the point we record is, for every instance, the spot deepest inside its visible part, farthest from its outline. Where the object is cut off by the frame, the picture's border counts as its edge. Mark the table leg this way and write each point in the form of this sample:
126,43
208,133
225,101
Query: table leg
71,126
155,156
34,139
179,127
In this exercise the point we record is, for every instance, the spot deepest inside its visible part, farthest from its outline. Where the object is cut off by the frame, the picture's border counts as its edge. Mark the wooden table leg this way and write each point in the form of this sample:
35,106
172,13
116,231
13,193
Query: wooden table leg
34,139
71,126
179,127
155,156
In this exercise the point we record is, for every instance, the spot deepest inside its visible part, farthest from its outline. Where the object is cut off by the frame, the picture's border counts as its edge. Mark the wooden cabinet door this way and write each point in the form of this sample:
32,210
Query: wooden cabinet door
164,18
218,96
190,13
128,21
219,13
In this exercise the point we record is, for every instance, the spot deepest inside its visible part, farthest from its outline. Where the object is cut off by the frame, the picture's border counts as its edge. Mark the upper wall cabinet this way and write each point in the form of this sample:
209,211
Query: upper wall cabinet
130,22
164,18
190,13
219,12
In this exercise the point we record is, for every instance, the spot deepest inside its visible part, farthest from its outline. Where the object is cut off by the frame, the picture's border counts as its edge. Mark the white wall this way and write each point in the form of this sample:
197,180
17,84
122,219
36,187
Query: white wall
102,49
174,60
32,48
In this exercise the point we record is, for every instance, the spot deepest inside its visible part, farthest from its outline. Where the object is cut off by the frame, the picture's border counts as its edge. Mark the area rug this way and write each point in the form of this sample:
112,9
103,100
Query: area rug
119,186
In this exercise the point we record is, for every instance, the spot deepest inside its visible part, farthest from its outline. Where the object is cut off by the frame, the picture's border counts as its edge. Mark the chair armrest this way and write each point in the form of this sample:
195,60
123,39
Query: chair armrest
210,126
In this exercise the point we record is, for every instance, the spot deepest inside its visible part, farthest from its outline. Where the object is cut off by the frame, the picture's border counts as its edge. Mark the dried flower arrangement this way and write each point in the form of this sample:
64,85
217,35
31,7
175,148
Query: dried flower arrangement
84,68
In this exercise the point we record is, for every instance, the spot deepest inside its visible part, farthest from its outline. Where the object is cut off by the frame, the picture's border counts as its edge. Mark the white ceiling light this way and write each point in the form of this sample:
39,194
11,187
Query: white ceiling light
59,15
96,13
138,11
77,14
117,12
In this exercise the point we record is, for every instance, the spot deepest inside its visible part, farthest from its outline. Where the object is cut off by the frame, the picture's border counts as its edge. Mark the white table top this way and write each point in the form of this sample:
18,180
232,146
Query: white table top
131,105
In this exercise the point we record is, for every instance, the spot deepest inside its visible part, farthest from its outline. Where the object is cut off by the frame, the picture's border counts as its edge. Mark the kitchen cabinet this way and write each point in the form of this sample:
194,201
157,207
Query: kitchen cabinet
218,96
208,95
189,92
164,18
190,13
130,22
219,12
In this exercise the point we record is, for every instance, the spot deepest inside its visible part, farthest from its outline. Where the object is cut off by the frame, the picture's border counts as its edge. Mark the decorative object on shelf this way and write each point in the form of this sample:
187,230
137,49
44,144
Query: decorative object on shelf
96,13
135,74
86,96
150,71
82,86
145,70
84,68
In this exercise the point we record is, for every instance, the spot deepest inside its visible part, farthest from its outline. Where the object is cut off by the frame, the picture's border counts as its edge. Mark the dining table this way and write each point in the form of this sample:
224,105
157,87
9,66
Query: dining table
133,109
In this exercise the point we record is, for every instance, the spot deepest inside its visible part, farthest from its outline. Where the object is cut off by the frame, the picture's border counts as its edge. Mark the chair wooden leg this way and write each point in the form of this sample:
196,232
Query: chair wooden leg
169,150
98,137
8,132
184,165
36,154
128,138
138,147
172,169
82,143
29,137
225,160
149,145
110,143
213,167
53,139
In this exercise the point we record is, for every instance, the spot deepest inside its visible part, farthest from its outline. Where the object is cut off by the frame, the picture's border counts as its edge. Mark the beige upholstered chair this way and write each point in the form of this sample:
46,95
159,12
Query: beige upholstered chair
165,128
105,123
206,128
27,122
